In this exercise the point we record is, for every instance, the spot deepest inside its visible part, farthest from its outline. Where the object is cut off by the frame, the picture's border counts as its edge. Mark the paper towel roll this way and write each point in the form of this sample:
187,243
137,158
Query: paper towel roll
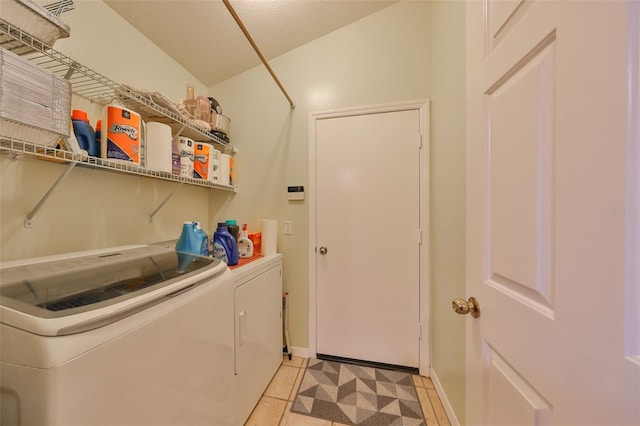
185,146
269,237
215,165
224,169
158,147
202,161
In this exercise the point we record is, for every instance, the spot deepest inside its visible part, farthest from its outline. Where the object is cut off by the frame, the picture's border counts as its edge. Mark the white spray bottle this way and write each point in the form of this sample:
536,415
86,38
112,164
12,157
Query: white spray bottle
245,245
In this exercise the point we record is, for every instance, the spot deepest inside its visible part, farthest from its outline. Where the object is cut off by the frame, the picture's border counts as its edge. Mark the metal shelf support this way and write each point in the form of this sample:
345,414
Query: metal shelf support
176,189
16,149
251,41
28,220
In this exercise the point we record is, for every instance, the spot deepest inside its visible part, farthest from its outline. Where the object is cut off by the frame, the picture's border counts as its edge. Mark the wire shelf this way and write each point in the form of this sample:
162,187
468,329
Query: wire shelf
97,88
17,147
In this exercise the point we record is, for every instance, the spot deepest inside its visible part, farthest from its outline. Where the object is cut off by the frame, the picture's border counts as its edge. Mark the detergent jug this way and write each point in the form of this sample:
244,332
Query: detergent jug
224,245
204,240
189,245
245,245
84,133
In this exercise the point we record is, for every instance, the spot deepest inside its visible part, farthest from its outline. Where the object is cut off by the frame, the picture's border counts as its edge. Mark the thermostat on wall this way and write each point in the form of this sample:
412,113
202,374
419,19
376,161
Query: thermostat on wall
295,193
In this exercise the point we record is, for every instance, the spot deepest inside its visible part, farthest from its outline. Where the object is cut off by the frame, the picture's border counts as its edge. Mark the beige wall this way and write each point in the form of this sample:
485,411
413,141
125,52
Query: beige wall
448,197
408,51
382,58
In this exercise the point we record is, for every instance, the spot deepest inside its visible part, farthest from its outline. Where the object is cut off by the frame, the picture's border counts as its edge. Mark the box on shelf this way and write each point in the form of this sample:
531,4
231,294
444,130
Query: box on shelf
35,104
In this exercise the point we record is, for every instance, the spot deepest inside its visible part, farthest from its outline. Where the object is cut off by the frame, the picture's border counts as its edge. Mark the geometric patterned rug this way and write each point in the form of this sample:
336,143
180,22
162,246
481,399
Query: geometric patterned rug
357,395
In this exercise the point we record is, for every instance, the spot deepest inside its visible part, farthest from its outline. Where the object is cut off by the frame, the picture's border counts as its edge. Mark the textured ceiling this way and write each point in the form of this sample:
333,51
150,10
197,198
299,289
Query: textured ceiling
202,36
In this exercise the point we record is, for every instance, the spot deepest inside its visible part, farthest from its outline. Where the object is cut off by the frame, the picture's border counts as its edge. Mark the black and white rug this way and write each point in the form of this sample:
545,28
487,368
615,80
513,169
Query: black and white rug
357,395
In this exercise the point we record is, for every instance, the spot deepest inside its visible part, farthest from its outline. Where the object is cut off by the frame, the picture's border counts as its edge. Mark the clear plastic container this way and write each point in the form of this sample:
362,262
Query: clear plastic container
190,102
203,109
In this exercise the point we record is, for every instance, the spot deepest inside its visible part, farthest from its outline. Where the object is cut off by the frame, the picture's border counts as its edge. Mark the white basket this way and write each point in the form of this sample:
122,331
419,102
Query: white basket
31,96
34,135
34,19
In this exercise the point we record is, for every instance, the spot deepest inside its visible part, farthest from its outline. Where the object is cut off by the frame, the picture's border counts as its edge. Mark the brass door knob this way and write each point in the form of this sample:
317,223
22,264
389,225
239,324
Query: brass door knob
323,250
463,307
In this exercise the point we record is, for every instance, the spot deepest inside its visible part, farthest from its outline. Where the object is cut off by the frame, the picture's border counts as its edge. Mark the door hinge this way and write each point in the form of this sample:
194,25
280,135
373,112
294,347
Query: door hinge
419,331
419,140
419,236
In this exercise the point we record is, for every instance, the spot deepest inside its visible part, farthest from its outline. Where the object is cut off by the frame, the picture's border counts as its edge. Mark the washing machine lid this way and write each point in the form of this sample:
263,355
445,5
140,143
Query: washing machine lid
66,291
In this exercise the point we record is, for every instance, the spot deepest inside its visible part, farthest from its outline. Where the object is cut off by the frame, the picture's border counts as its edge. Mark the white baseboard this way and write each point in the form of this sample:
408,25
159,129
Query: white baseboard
443,398
301,352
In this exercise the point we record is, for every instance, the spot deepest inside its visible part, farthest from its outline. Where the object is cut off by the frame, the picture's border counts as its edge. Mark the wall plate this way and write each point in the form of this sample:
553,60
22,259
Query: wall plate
295,193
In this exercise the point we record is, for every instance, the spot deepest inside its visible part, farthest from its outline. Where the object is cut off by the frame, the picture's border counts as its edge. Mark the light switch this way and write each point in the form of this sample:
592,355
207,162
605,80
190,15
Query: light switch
288,227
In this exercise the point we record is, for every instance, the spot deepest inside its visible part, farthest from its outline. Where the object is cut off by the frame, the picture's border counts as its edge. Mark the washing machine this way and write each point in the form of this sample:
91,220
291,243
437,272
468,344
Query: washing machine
135,335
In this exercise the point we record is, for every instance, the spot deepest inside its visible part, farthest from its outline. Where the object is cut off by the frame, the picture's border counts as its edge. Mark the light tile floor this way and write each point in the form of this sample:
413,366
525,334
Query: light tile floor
274,408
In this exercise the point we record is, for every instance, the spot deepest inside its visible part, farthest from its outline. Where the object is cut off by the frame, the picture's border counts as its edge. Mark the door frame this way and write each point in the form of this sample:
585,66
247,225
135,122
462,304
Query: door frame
424,286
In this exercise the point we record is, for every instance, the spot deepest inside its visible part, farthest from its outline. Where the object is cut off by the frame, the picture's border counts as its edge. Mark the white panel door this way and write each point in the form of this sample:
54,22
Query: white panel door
367,206
548,145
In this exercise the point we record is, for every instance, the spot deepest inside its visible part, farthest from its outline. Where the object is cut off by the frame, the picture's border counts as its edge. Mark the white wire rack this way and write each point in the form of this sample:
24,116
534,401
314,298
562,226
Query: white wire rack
58,8
17,147
91,85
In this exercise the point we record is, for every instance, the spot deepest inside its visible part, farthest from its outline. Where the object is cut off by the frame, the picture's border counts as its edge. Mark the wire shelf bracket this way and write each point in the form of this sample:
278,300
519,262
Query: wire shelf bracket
176,189
28,221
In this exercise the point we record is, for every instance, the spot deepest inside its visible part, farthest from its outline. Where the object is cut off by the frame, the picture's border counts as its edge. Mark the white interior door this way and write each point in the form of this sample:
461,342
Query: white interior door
368,221
550,257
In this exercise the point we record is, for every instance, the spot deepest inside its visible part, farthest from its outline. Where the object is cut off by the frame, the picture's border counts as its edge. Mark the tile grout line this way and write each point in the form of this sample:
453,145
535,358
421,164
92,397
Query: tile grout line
433,408
416,387
441,414
289,395
291,392
274,397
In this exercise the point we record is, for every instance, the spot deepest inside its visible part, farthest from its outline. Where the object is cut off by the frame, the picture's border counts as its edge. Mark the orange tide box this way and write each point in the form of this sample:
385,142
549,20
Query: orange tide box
121,141
204,164
256,239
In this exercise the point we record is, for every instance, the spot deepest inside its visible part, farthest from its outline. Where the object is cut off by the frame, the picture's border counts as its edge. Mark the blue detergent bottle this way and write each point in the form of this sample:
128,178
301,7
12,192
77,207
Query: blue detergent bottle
224,245
189,242
98,136
204,240
84,132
